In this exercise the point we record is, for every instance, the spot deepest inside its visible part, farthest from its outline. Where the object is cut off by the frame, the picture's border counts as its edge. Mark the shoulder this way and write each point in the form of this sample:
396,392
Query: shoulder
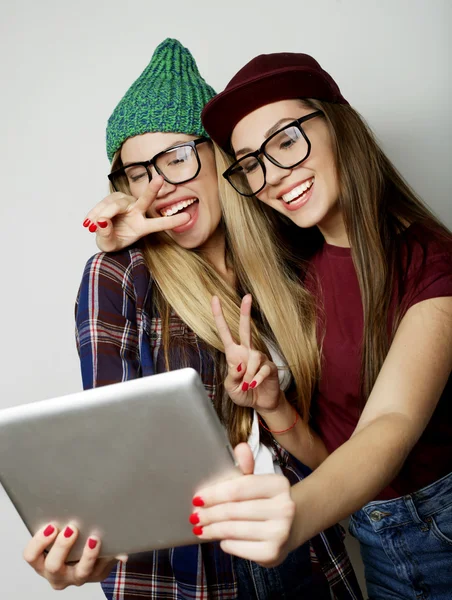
125,268
423,244
117,264
426,260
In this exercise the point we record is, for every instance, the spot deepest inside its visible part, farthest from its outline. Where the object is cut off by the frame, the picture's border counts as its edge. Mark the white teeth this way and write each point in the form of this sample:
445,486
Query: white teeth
298,191
174,208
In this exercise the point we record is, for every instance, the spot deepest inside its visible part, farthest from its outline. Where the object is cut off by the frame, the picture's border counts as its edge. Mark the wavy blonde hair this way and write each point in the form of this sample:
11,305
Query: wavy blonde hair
267,267
185,283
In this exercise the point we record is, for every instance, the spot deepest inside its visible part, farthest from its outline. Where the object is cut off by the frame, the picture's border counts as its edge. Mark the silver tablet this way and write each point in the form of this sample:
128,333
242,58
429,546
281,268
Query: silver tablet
121,461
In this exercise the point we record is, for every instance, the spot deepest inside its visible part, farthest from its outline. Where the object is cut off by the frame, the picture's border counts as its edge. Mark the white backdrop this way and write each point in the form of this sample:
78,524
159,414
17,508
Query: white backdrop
64,66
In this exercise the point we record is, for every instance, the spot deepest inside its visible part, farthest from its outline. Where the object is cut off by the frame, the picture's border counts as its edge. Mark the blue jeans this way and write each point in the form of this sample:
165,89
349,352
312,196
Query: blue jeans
406,544
292,580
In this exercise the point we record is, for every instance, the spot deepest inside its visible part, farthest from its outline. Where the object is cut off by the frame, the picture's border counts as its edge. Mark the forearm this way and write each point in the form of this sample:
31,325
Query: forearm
299,440
350,477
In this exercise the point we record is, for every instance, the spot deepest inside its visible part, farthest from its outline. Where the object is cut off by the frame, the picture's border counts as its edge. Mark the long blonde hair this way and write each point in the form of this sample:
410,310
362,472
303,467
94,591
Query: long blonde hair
185,283
266,266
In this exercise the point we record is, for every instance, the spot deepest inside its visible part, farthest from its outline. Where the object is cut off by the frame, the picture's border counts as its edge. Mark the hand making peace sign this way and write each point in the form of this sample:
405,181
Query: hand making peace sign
252,379
120,220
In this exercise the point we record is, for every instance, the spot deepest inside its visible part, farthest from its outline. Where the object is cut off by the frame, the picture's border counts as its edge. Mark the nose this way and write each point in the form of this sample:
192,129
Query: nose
166,188
275,174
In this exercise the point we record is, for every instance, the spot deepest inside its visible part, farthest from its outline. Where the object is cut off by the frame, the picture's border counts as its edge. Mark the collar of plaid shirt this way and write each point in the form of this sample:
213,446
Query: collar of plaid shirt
119,338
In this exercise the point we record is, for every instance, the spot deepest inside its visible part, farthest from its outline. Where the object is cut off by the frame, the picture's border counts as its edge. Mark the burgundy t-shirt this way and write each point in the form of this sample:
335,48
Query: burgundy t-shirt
336,406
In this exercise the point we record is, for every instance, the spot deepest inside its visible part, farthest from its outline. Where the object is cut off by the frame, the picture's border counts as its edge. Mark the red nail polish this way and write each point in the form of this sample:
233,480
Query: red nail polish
198,501
239,368
194,518
92,227
197,530
253,384
92,543
102,224
86,222
245,386
49,530
68,532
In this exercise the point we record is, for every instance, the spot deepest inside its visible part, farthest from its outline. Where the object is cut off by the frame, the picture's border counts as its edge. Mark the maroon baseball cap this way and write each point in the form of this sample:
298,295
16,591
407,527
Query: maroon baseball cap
265,79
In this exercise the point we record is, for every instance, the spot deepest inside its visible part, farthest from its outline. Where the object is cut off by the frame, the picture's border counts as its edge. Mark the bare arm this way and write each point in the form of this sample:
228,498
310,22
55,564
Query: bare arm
399,408
403,399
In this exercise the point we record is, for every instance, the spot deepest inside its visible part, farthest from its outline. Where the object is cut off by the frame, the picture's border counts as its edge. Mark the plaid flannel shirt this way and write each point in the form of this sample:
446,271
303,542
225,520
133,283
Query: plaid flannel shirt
119,338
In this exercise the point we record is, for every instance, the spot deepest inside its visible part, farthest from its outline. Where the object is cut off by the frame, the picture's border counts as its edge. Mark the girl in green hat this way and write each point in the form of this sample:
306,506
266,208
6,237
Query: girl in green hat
147,309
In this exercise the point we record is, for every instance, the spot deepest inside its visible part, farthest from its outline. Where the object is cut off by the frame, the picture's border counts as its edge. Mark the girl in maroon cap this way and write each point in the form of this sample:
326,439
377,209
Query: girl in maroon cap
376,268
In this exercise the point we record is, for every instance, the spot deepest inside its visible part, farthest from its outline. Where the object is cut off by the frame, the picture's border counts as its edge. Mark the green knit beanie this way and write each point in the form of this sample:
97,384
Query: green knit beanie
168,96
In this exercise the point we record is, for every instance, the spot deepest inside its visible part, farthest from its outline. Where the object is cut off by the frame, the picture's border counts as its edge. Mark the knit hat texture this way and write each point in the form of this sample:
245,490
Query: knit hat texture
167,97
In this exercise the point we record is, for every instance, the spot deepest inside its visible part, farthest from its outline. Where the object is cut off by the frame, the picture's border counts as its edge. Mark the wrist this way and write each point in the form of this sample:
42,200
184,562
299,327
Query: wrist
282,408
281,420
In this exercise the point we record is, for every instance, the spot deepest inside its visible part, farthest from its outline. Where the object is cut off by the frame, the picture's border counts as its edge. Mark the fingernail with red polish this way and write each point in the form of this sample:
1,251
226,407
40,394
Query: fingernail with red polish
198,501
239,368
86,222
253,384
49,530
92,543
68,532
245,386
194,518
92,227
197,530
102,224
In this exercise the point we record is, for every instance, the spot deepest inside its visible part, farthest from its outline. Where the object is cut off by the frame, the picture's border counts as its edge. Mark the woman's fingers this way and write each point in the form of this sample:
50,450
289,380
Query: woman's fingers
254,363
244,457
86,566
267,369
222,326
249,487
251,531
53,566
249,510
245,321
111,206
144,202
58,553
106,239
34,551
153,224
252,516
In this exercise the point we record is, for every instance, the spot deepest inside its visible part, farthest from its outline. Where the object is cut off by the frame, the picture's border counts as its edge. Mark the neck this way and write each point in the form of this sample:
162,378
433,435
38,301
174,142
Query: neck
333,230
214,250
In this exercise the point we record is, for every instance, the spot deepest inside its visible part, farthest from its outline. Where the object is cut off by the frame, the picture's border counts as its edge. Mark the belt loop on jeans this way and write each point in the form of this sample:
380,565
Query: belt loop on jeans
411,507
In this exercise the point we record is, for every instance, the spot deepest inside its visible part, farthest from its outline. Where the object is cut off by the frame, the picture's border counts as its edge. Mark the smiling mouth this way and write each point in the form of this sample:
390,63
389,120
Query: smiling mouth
169,211
299,192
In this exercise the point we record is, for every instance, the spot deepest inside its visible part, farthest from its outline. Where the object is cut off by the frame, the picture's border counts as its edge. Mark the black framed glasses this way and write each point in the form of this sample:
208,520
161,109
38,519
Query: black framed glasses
178,164
286,148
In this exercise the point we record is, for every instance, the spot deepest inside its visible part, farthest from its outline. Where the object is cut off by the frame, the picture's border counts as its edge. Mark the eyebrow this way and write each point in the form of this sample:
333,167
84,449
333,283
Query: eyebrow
268,133
176,143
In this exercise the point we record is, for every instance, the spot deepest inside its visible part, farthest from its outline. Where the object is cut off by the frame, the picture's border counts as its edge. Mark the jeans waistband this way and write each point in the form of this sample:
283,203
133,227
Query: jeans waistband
415,507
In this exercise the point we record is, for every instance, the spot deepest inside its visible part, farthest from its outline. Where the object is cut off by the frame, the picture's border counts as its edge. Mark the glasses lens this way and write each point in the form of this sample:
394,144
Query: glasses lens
135,177
178,164
288,147
120,181
247,175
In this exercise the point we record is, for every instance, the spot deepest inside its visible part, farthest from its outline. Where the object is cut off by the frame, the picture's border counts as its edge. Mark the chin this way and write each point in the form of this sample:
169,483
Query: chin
189,242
